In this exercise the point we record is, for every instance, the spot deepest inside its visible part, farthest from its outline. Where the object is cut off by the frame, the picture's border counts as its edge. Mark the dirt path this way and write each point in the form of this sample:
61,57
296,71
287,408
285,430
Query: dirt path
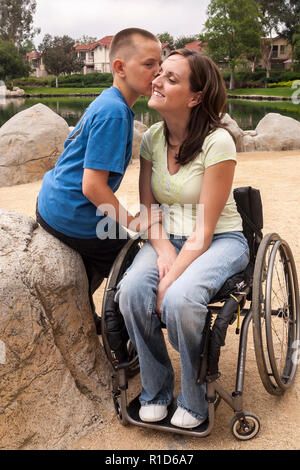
276,174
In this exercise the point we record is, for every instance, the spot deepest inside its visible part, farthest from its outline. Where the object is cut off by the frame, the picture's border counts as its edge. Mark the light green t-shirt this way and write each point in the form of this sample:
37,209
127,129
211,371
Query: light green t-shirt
180,193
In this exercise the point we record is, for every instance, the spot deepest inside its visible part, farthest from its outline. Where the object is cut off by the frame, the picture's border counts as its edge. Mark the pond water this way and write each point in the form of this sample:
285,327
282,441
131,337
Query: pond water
246,113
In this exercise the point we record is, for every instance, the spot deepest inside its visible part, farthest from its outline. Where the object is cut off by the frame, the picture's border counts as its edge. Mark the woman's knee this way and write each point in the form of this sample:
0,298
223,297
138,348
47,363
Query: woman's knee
183,309
135,292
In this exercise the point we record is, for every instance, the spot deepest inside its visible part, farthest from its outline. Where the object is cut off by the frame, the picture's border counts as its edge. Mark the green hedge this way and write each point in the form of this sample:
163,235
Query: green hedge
32,81
279,84
77,80
79,85
247,79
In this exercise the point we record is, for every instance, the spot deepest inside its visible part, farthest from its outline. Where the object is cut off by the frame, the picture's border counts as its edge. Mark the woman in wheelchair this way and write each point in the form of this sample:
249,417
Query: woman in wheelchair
187,166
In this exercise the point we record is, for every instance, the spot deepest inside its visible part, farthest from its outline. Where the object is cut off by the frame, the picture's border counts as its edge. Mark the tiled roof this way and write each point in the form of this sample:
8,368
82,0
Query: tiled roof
33,55
105,41
196,45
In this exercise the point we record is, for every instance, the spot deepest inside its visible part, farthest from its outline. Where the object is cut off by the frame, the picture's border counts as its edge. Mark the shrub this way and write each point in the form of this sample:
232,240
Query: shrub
32,81
283,84
258,79
80,80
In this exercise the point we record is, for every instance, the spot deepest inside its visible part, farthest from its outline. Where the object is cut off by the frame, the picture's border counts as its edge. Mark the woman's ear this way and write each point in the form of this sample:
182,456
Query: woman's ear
118,66
197,99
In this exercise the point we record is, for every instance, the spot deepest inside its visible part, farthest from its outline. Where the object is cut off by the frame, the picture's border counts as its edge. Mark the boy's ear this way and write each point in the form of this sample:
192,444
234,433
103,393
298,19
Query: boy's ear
119,67
197,99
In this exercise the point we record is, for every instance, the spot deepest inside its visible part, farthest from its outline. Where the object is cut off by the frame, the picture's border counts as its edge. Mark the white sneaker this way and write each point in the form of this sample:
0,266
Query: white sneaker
183,419
153,413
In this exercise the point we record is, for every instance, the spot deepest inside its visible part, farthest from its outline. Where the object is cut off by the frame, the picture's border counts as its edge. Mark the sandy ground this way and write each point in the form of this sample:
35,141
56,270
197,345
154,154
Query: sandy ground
276,174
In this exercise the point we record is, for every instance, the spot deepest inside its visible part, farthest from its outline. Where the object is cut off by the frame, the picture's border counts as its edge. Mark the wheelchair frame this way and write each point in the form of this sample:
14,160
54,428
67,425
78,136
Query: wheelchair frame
244,425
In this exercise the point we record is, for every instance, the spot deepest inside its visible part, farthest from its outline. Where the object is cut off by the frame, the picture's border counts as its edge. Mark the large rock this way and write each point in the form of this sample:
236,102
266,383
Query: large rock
53,372
277,132
30,144
235,130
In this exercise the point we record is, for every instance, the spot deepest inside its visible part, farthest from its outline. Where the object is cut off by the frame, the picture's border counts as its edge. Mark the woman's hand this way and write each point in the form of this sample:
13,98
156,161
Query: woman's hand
165,260
162,288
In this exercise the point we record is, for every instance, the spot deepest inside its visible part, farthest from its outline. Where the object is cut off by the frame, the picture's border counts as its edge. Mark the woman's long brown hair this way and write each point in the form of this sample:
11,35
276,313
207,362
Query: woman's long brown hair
207,115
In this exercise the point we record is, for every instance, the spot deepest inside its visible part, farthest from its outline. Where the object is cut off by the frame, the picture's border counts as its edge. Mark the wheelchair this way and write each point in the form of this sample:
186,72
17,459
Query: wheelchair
266,294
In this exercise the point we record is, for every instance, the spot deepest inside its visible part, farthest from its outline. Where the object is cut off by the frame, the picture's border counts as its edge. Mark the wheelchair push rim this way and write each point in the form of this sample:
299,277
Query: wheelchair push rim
122,262
276,314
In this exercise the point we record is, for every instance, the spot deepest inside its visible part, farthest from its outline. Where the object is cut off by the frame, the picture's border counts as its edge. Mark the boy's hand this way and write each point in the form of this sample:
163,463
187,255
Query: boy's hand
145,219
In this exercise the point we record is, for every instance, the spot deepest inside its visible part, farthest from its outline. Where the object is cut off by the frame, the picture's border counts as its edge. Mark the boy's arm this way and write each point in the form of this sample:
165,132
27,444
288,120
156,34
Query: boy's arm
95,188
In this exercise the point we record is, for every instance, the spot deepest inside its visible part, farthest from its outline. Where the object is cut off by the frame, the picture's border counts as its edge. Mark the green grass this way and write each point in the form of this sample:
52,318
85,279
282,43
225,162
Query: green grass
278,91
59,91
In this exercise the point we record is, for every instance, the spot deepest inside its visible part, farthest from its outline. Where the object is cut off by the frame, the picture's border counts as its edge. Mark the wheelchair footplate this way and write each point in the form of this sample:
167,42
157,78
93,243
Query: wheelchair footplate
132,417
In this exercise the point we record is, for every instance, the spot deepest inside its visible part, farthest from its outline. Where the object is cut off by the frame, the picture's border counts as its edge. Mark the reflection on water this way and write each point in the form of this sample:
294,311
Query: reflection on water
246,113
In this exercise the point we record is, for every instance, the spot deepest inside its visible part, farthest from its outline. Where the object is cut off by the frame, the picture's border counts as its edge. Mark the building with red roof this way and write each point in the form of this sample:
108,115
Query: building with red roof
95,56
196,46
35,60
166,49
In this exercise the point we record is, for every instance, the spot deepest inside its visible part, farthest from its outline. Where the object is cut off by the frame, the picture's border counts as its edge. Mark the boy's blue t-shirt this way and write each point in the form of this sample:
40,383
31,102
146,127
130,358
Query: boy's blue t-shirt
102,140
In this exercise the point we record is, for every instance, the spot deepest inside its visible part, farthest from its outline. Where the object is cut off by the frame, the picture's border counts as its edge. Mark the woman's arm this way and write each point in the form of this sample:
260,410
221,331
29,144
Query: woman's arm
215,191
156,234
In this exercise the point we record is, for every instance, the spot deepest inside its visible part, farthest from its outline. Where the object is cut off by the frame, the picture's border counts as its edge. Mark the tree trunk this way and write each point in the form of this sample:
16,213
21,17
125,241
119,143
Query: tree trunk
232,81
56,82
292,58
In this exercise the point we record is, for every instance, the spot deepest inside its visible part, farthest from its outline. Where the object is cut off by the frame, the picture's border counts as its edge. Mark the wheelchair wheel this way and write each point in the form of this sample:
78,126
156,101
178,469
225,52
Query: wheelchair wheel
246,428
276,314
116,342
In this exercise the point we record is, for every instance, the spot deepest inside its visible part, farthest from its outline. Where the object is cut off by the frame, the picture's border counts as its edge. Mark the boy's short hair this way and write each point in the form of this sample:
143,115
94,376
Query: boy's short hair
123,39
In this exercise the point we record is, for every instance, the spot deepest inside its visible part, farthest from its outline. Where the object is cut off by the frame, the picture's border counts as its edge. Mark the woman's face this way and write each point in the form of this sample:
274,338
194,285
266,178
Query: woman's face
171,92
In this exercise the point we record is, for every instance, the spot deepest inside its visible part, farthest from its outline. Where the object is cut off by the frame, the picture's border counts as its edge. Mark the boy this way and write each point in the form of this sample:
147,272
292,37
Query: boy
95,158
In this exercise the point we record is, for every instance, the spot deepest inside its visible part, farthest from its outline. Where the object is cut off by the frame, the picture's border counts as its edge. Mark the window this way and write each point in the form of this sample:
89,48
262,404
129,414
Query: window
275,51
282,50
91,57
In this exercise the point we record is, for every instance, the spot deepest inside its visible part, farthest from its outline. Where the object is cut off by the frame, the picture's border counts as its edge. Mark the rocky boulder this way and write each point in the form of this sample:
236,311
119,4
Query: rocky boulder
54,375
15,92
235,130
277,132
30,144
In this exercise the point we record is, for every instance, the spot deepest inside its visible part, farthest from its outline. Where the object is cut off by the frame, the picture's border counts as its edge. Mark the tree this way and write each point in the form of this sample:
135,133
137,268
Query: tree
181,41
85,39
59,55
16,20
26,46
166,37
233,31
12,65
297,47
290,19
270,22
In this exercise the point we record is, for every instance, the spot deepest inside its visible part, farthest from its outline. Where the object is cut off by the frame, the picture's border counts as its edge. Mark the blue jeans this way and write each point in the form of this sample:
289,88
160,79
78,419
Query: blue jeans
184,310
